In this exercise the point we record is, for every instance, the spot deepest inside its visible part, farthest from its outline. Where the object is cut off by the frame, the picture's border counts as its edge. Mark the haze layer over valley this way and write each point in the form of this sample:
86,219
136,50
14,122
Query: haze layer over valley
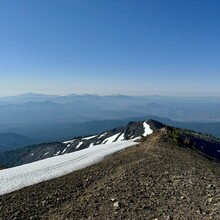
35,118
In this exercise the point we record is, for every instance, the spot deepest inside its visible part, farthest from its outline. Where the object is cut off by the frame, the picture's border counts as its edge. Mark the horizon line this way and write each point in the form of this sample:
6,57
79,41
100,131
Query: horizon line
181,95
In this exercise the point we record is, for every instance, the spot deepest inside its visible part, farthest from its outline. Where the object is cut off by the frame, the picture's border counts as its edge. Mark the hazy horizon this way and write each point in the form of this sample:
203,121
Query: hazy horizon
183,95
110,47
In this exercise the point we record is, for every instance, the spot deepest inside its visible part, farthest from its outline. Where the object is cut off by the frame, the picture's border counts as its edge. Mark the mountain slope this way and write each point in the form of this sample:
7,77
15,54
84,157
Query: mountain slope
10,141
37,152
160,178
21,176
206,144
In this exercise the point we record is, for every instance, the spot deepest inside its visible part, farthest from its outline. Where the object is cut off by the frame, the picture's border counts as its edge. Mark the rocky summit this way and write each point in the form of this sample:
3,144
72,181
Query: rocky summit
165,176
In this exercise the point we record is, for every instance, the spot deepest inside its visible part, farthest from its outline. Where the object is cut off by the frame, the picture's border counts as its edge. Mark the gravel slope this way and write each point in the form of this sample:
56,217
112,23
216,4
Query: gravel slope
154,180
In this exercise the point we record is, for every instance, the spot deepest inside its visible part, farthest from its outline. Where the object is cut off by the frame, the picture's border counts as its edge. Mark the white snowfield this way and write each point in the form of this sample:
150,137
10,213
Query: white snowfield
147,129
110,139
15,178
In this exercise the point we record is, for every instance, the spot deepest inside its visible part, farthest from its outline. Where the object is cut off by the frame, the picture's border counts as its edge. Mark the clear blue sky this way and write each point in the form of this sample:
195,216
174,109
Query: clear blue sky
137,47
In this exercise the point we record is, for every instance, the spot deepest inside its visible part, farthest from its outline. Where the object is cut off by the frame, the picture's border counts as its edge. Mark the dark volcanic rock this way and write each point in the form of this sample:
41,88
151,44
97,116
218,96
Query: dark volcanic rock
155,125
134,129
30,154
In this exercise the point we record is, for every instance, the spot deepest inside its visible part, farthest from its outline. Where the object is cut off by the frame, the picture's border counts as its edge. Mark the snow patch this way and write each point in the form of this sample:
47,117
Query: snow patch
136,139
91,145
147,129
46,153
79,144
69,142
64,150
15,178
102,135
110,139
57,153
90,137
121,137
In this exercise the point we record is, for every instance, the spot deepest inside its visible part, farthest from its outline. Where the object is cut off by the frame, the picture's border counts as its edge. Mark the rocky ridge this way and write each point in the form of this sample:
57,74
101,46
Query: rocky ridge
161,178
38,152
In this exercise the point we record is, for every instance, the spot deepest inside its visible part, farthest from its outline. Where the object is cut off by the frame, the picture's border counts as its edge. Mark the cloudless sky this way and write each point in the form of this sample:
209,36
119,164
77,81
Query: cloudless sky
134,47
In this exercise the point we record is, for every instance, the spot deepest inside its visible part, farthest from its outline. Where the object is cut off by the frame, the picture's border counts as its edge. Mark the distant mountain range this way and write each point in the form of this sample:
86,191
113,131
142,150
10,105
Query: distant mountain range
37,118
37,108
